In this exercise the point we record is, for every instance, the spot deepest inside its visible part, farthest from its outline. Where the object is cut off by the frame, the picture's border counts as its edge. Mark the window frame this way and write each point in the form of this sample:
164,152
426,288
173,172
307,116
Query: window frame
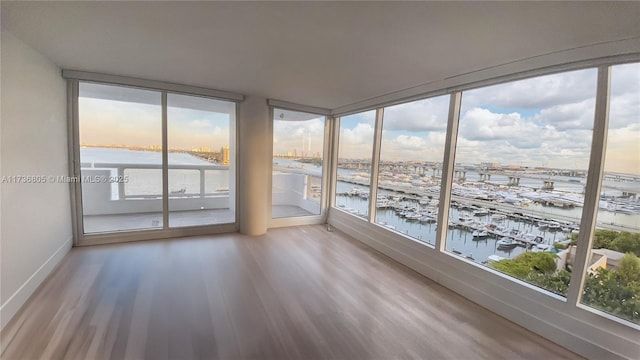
80,238
572,304
326,166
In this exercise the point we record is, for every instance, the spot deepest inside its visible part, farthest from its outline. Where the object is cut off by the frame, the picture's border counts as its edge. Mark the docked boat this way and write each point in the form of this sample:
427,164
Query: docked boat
480,234
481,212
541,248
427,218
412,216
506,243
554,226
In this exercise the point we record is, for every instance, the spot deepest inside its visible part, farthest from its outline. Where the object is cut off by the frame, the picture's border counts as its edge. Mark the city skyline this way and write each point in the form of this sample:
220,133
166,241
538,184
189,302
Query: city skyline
110,122
543,121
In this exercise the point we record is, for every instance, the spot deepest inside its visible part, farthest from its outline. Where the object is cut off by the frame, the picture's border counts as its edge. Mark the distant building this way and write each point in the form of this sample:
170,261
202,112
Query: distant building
490,165
512,167
201,149
225,155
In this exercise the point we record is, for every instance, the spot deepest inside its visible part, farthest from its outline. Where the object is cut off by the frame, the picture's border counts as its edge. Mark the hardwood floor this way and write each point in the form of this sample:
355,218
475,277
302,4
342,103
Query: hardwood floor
295,293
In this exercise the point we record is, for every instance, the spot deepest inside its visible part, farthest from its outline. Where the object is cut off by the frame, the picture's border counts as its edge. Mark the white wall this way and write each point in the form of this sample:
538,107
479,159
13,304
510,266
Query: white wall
254,164
36,218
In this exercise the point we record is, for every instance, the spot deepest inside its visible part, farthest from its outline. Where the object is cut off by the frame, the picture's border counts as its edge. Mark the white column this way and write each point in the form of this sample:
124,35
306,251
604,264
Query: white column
254,156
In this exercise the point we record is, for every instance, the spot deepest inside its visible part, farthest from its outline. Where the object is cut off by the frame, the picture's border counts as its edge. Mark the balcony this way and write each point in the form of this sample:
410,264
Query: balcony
118,196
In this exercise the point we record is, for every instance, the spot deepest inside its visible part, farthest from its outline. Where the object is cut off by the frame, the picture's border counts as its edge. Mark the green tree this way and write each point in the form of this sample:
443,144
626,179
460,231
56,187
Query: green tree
616,291
622,241
626,242
525,263
557,283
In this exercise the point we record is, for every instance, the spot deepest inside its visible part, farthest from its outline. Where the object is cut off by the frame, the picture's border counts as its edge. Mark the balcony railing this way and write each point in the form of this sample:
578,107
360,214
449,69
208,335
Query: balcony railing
131,188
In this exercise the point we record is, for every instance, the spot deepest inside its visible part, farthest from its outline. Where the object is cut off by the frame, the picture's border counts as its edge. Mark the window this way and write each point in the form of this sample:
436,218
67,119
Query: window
298,164
520,167
612,282
120,131
200,156
121,173
355,148
409,174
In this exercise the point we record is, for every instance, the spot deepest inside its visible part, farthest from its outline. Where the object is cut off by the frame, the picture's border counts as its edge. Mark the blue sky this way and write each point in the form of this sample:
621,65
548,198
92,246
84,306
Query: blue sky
544,121
108,122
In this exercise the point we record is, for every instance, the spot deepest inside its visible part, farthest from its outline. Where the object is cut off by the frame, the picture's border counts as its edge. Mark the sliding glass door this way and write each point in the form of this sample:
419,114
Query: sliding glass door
120,136
134,176
298,176
200,160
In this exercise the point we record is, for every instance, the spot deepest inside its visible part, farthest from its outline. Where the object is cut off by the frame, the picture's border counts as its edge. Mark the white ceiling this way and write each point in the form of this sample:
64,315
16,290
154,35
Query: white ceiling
324,54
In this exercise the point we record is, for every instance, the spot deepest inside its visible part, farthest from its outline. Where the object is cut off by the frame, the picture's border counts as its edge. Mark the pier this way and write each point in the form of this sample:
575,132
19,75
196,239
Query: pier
527,213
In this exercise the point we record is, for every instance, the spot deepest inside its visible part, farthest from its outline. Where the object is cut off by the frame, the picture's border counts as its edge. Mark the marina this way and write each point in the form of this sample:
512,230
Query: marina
487,221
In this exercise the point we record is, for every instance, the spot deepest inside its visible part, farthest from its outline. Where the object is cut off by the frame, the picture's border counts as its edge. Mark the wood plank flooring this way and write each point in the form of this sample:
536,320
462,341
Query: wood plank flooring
295,293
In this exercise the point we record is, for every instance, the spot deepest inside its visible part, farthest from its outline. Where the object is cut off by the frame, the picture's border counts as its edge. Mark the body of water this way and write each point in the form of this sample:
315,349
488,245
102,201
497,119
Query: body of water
148,182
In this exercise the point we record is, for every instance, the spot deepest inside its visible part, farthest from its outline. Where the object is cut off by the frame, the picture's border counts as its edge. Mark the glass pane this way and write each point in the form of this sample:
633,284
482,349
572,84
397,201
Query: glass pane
199,135
612,283
411,155
355,147
298,152
520,167
121,156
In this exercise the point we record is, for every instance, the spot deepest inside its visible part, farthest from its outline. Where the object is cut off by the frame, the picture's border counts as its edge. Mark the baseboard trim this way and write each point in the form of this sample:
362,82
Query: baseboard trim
580,331
13,304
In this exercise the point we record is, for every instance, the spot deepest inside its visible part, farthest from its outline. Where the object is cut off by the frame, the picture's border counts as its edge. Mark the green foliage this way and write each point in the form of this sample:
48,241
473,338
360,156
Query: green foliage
559,246
523,264
616,291
557,283
623,241
626,242
629,268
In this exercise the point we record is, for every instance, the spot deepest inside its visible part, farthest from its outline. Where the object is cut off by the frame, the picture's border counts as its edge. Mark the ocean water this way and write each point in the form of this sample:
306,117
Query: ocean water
148,182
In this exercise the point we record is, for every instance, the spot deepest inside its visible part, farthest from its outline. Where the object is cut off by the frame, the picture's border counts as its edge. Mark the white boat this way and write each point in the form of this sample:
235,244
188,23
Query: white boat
427,218
554,226
529,237
506,243
481,212
480,234
413,216
540,248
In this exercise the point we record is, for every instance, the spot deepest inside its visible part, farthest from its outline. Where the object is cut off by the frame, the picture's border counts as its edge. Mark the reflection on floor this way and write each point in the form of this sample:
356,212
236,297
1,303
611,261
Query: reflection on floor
153,220
293,293
108,223
282,211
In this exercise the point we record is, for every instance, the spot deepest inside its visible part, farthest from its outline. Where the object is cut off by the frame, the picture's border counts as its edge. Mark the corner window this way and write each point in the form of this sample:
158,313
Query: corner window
355,149
521,162
298,164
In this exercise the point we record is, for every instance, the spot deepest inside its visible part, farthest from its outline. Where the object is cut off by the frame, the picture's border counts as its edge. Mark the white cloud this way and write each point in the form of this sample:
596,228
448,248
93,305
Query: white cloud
425,147
357,142
299,136
423,115
579,115
512,139
535,93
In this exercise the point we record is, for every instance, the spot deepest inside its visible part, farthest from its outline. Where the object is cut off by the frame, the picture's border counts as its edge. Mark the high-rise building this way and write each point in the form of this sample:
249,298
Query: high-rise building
225,155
